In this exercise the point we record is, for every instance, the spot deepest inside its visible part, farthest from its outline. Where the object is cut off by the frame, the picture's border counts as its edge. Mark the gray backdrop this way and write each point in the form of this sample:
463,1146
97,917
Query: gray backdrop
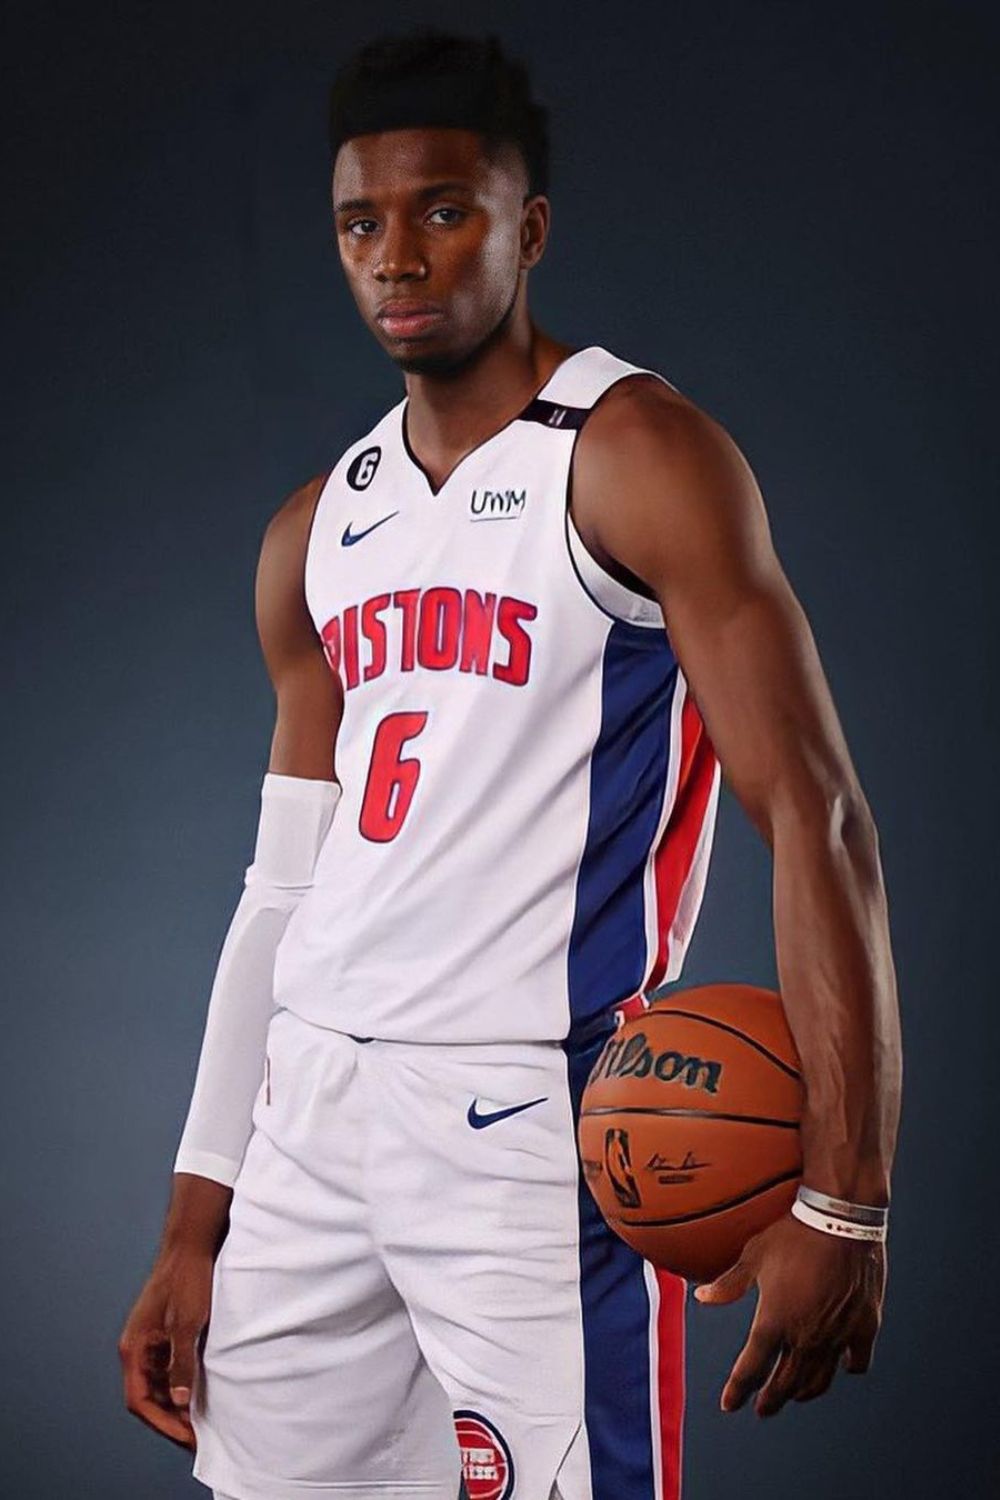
787,209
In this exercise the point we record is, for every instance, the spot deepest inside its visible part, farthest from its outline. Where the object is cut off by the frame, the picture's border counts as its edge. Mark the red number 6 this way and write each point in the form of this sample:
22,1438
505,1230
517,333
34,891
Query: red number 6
391,779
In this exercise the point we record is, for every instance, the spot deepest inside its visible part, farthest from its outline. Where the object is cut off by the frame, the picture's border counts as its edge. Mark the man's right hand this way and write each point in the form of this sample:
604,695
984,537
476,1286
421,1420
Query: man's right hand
159,1343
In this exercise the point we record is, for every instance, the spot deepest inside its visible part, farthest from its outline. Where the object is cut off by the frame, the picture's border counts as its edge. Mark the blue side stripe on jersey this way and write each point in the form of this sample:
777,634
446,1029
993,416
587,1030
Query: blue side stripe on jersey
616,1312
607,955
628,774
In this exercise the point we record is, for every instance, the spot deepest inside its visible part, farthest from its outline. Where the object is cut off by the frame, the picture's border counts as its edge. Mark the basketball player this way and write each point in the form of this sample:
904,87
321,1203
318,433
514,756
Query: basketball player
534,608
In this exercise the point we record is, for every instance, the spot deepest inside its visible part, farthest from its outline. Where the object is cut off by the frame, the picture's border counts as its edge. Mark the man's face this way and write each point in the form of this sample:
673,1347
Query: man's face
426,220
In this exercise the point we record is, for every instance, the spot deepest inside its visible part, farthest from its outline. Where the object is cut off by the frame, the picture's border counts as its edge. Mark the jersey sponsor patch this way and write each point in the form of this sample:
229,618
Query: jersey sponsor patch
497,505
487,1465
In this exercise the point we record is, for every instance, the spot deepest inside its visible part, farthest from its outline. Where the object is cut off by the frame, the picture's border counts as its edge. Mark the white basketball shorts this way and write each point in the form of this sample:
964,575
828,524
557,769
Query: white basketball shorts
416,1288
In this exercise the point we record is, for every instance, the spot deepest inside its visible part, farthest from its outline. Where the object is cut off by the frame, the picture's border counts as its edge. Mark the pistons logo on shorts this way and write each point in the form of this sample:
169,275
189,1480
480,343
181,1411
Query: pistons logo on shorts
487,1467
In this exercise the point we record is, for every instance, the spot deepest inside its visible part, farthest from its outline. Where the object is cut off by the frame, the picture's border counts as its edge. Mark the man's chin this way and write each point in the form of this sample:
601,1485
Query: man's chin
428,361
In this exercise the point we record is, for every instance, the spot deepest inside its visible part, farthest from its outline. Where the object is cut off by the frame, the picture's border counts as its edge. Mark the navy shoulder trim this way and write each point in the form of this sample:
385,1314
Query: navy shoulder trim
551,414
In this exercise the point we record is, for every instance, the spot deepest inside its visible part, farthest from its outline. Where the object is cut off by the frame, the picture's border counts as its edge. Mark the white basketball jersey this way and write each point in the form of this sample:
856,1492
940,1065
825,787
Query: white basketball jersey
529,793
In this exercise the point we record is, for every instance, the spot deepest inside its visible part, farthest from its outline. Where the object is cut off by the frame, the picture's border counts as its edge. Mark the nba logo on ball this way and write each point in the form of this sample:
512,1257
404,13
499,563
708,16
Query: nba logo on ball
487,1467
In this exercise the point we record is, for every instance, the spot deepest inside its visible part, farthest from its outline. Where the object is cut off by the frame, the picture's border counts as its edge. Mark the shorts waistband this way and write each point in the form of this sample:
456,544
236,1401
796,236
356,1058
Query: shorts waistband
581,1034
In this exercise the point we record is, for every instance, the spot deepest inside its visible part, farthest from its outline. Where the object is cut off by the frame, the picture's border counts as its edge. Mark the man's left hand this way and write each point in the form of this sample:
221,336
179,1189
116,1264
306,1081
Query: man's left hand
819,1304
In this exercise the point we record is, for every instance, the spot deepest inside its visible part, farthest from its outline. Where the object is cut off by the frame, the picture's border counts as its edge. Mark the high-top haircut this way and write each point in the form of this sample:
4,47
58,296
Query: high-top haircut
429,77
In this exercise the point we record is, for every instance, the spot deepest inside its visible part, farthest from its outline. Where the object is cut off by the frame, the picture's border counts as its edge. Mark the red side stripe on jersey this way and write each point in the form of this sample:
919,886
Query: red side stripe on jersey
675,855
670,1351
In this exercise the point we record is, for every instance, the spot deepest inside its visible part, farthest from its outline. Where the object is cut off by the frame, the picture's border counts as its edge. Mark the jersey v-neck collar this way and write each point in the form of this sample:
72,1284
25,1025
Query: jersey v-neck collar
479,447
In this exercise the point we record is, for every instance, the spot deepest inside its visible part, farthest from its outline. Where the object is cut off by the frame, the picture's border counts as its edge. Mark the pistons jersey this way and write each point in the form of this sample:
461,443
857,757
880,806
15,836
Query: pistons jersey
528,790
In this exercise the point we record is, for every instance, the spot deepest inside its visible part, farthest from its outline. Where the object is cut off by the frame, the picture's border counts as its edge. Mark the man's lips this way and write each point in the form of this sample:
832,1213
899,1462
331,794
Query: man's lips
404,319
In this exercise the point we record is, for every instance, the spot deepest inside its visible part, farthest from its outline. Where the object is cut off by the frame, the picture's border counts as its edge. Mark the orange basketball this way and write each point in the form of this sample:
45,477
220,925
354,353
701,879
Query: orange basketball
689,1126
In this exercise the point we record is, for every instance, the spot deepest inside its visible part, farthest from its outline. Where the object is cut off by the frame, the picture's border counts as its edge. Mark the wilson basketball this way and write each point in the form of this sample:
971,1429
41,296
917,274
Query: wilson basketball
689,1126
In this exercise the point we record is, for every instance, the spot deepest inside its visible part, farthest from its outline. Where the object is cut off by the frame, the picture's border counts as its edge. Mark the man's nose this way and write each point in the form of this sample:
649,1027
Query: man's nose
400,258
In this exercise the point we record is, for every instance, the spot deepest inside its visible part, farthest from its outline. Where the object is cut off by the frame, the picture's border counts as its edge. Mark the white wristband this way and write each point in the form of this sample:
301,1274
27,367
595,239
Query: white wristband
856,1213
842,1228
295,815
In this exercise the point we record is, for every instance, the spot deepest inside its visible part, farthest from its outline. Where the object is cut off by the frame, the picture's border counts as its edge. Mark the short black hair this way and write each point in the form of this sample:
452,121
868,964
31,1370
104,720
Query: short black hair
429,77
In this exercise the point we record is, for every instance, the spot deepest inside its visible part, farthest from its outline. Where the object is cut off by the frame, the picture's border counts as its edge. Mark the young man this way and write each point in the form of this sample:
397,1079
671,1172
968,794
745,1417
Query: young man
530,608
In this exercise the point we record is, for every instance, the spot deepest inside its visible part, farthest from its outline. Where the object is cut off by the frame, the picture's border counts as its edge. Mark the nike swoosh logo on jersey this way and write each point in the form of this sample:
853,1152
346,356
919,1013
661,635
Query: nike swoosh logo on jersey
480,1121
350,537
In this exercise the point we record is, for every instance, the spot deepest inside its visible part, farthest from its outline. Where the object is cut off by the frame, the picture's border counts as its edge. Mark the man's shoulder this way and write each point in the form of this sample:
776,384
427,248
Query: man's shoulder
641,426
650,456
641,407
290,524
303,498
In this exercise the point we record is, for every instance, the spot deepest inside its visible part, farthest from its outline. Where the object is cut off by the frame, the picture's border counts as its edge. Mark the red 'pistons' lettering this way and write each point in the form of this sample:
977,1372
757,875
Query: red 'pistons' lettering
374,632
510,613
330,636
478,632
405,600
440,629
351,645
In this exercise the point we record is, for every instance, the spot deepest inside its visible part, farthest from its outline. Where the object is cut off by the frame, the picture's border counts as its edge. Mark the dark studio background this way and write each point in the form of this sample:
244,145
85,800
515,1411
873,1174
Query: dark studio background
785,208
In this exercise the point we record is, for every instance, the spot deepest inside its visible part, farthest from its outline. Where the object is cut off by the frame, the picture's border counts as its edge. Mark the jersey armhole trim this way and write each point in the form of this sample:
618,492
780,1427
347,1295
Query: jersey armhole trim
308,551
609,594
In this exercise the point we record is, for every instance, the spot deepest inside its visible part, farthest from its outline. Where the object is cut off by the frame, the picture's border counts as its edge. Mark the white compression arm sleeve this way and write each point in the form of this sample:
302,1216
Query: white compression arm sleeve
295,815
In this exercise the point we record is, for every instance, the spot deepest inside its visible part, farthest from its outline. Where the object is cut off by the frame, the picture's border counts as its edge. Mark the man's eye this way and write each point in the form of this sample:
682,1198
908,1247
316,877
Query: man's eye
358,224
458,214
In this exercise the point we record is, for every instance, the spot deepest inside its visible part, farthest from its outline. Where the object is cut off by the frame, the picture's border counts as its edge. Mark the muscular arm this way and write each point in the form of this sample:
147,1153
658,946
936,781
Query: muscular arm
687,519
308,709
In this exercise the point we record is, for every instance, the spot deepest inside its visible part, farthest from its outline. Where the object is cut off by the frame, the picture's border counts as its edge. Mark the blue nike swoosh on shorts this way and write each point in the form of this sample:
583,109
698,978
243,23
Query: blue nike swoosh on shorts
480,1122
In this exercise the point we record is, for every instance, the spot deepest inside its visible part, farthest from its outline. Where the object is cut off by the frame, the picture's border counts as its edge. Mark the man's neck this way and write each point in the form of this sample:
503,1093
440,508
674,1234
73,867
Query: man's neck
449,415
